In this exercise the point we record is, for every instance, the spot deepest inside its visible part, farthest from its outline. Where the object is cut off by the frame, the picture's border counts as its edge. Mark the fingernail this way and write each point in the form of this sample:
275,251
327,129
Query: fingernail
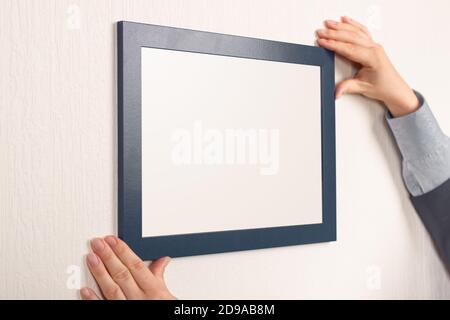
97,244
92,259
85,292
111,240
332,22
322,31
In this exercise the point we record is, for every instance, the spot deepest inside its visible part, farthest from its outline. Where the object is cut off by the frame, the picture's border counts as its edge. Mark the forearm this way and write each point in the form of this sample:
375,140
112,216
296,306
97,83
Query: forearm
426,170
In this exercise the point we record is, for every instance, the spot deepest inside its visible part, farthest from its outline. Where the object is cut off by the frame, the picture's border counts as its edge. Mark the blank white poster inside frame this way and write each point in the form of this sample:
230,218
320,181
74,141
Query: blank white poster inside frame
228,143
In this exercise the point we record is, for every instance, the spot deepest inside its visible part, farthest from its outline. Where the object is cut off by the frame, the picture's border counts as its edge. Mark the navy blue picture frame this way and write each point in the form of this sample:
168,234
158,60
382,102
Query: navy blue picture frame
131,38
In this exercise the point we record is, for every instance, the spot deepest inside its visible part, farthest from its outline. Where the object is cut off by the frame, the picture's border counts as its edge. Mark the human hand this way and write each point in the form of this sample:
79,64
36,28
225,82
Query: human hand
377,78
122,275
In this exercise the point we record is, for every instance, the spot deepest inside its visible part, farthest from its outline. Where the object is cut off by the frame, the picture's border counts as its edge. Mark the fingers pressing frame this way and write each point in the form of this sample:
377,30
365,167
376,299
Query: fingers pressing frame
109,288
356,24
88,294
141,274
350,51
345,36
118,272
157,267
350,86
344,26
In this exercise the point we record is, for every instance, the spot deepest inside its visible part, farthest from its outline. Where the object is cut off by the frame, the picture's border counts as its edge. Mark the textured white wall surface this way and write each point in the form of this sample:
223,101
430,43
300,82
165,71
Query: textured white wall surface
58,150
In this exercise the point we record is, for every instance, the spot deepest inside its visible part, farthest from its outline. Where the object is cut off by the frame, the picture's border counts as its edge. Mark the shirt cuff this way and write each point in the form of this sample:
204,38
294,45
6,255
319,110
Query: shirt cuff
424,147
417,134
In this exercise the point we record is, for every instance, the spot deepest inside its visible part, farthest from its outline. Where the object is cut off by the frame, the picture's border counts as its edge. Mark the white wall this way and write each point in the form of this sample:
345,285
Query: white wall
58,150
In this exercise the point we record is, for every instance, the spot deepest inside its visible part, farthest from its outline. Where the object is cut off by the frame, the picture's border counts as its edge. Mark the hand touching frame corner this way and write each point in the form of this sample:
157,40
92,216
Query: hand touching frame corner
377,77
122,275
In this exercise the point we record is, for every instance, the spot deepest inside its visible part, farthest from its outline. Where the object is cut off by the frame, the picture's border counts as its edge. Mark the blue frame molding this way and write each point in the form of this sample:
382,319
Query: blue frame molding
131,38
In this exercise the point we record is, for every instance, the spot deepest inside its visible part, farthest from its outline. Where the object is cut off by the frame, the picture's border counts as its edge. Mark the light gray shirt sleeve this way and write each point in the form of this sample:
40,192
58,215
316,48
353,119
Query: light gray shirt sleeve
424,147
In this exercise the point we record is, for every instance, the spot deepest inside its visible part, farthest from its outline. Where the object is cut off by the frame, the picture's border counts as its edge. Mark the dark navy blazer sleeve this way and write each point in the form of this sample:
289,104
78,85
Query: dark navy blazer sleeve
425,151
434,209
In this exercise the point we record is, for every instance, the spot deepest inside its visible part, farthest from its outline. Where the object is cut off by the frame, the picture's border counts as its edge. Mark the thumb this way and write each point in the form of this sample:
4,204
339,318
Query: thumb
157,267
349,86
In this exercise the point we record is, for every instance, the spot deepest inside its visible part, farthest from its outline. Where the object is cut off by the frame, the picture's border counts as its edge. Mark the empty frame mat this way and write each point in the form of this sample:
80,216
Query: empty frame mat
222,144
